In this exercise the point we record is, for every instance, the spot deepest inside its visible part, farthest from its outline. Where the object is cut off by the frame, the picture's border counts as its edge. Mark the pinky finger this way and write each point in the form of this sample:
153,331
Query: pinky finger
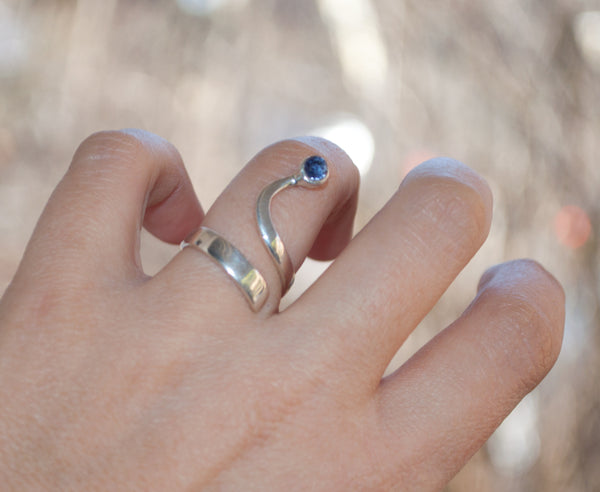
445,402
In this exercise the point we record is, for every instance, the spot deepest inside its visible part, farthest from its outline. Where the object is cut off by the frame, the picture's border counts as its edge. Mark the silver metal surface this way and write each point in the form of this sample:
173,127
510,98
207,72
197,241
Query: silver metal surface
269,234
251,282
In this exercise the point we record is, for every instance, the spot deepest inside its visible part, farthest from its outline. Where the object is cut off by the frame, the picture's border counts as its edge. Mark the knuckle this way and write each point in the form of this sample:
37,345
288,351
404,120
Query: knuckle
337,158
451,198
105,145
129,148
103,158
530,303
526,273
534,333
463,206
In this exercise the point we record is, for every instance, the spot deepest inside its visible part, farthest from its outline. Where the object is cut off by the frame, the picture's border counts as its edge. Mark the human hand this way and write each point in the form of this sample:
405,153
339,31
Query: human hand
113,380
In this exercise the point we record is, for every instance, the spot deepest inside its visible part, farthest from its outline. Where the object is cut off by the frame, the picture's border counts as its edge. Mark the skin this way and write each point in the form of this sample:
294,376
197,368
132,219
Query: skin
114,380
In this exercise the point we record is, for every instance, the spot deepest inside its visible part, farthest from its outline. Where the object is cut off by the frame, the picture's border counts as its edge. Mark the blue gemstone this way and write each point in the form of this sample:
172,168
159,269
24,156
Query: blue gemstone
315,168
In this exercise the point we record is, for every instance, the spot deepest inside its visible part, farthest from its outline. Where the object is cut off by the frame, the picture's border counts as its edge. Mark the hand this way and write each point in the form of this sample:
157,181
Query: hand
113,380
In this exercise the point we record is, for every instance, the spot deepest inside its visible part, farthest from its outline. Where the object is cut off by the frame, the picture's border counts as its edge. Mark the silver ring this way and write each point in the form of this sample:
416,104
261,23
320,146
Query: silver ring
249,279
314,172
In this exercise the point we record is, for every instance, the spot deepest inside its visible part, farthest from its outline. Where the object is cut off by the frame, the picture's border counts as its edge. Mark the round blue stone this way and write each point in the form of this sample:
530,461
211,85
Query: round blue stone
315,168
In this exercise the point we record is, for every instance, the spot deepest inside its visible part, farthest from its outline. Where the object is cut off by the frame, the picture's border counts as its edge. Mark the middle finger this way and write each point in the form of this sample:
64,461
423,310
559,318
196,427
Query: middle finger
315,222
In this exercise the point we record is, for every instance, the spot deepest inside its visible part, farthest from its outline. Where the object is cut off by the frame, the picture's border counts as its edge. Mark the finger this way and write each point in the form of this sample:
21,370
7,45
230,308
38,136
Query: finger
442,405
92,221
308,220
395,270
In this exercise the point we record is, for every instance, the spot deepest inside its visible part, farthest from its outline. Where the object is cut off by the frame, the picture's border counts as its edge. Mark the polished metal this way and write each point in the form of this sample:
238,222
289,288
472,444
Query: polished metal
269,234
251,282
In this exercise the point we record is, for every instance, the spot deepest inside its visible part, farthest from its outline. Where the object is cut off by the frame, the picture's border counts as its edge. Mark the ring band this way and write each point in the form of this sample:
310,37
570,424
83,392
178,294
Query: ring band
313,172
249,279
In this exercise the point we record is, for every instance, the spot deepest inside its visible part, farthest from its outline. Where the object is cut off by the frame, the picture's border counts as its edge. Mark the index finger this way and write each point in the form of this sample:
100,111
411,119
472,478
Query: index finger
91,224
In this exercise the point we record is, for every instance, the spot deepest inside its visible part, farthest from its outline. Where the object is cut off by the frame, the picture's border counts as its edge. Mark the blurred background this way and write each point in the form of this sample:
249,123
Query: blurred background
510,87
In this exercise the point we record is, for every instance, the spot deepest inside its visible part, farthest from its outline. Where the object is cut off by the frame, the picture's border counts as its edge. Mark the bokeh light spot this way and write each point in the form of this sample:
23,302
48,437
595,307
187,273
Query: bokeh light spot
572,226
587,34
13,44
414,158
515,446
354,137
203,8
357,36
